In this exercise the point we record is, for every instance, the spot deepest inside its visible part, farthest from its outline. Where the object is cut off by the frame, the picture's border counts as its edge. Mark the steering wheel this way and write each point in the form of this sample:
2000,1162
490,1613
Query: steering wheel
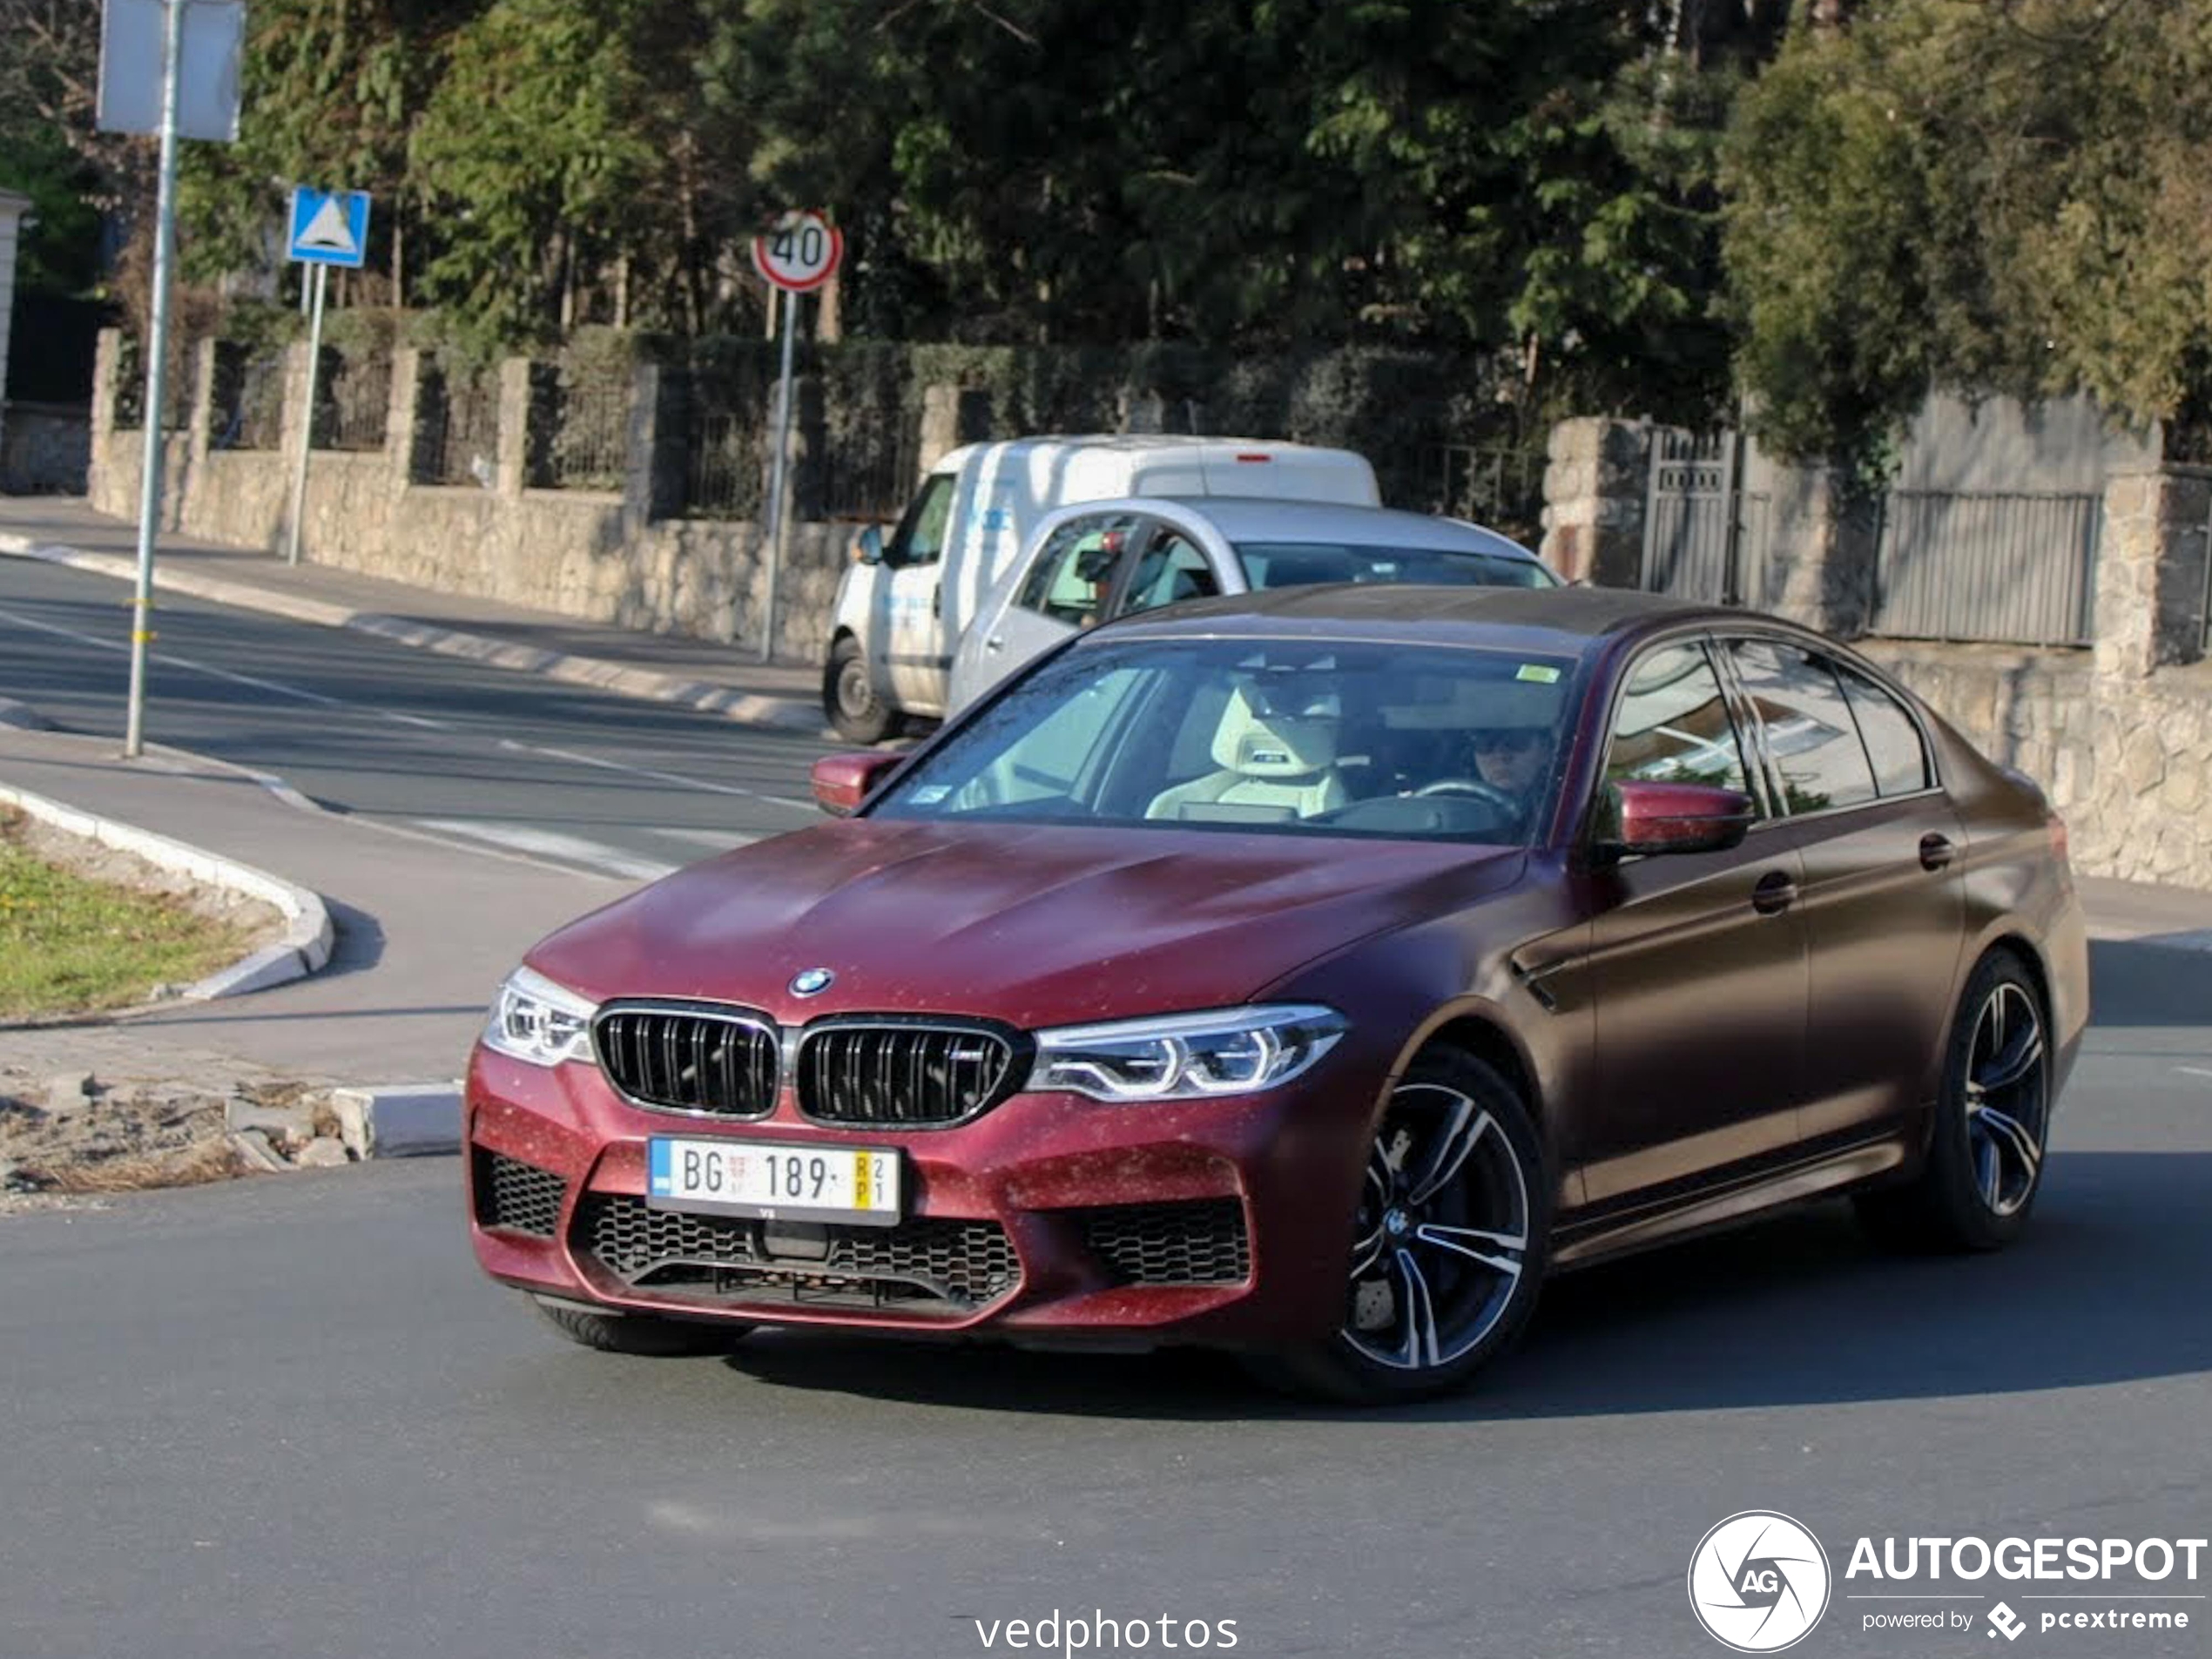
1504,801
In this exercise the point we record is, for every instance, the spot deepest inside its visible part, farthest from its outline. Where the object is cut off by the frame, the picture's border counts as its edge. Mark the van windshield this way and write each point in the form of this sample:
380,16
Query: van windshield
1296,564
921,536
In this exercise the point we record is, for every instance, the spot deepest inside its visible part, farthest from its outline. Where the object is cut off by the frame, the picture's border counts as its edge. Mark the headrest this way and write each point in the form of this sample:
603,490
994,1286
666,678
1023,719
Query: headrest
1278,731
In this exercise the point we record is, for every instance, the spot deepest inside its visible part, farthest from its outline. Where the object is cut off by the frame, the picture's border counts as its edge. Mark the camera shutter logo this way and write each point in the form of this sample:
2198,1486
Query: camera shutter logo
1758,1581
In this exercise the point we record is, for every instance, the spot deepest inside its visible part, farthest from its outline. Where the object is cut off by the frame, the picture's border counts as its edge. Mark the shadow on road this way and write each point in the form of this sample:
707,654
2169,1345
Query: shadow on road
1798,1310
2139,982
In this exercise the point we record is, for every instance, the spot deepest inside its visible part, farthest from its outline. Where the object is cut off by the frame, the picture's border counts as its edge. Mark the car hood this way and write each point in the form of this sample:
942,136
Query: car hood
1034,925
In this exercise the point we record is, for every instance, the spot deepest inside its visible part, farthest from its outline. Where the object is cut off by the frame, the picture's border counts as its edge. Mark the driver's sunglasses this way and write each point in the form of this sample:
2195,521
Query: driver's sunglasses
1514,740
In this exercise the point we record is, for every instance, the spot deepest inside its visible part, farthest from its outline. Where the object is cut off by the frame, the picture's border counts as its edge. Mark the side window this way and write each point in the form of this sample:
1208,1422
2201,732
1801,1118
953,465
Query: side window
1892,740
1171,570
1810,736
1074,572
1673,726
919,538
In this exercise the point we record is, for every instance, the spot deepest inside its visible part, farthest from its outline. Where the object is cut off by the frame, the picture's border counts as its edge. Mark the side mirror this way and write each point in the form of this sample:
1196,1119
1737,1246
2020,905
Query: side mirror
868,546
1676,817
842,782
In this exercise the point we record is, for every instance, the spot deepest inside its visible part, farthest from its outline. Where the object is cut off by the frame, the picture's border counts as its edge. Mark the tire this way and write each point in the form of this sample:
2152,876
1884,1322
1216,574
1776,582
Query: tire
1992,1121
850,701
1450,1243
637,1333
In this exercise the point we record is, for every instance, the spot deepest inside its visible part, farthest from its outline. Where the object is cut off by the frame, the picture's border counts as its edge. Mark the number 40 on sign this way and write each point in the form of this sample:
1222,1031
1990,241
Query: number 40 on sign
800,254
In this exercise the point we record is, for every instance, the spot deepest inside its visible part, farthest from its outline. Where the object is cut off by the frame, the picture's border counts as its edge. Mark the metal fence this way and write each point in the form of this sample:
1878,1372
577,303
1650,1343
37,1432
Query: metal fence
247,405
722,466
869,467
1499,485
457,432
130,387
585,443
2007,569
353,402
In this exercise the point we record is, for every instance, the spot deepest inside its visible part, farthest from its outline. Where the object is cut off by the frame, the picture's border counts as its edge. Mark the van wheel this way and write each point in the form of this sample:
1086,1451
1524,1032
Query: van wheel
849,700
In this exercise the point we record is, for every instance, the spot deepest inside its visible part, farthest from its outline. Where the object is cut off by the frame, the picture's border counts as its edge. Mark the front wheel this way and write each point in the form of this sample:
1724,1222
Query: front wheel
1992,1123
1449,1242
849,697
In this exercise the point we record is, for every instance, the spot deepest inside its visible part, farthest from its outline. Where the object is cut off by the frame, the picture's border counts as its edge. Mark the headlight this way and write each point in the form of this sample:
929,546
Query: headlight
533,1019
1185,1056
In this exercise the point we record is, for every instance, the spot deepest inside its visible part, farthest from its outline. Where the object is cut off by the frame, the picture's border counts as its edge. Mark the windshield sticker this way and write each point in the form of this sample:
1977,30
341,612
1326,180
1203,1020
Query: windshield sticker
1538,674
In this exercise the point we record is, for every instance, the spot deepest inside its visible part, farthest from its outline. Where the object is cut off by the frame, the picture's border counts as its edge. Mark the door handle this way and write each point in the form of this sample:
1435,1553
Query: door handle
1776,892
996,642
937,600
1936,852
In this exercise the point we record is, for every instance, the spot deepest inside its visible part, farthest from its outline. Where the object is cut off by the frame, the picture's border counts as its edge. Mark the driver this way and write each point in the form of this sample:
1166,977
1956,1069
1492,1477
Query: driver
1512,759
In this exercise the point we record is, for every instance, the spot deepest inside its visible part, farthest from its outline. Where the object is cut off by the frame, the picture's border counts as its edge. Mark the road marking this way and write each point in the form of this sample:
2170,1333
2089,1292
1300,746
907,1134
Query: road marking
676,777
720,841
275,686
552,844
2194,1071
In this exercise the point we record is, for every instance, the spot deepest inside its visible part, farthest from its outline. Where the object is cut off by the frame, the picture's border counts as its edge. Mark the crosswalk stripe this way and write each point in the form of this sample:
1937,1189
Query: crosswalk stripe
544,843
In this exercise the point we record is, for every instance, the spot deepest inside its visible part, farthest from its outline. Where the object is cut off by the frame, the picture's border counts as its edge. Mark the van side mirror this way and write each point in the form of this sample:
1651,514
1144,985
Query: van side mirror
1650,817
842,782
868,546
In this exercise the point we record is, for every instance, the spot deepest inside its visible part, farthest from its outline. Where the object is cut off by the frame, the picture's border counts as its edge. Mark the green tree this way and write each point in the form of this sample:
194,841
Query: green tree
2008,197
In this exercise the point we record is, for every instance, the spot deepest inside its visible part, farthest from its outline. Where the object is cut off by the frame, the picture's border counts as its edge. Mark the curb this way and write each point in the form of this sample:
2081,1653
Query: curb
625,679
399,1119
307,939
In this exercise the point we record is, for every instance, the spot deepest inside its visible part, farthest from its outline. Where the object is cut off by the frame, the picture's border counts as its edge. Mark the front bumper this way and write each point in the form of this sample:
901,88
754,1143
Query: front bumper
1049,1218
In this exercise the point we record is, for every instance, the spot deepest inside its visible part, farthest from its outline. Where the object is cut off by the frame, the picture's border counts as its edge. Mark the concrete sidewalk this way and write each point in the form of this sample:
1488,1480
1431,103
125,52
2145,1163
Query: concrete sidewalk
425,929
695,673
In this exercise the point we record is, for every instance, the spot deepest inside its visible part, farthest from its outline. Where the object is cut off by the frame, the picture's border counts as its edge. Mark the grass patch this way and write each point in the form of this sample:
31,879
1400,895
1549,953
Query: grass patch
71,945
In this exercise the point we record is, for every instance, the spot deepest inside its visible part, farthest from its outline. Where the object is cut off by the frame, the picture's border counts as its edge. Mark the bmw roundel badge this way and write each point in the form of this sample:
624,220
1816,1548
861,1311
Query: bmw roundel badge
812,982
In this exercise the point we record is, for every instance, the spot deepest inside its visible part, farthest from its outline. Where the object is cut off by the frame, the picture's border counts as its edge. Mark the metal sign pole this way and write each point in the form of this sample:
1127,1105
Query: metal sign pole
308,435
165,236
775,514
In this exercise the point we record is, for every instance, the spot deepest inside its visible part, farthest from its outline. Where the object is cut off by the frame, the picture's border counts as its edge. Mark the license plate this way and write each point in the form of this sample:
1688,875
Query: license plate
778,1182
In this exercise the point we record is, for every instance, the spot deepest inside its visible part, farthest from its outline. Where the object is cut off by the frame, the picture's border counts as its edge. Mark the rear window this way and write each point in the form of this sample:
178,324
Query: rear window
1296,564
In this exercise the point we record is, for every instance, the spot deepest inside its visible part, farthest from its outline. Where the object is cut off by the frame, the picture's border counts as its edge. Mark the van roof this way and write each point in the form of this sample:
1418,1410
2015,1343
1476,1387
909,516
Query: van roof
1131,443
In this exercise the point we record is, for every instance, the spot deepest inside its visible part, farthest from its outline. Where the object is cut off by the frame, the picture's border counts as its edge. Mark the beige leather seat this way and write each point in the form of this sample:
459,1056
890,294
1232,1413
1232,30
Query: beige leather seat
1274,765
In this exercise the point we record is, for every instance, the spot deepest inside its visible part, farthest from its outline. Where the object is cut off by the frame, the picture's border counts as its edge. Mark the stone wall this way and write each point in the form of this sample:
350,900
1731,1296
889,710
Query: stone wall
45,448
598,556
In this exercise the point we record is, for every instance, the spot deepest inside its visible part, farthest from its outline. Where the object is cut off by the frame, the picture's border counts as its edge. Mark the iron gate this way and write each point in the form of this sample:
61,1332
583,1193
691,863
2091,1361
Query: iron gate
1704,537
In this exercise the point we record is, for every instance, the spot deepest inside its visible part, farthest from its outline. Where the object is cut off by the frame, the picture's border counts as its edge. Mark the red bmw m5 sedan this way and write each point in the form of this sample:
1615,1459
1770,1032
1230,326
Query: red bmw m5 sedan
1307,974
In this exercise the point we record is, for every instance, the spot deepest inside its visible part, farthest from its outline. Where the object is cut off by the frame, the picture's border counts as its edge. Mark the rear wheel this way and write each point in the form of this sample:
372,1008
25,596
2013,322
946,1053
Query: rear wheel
1449,1242
849,697
1992,1123
637,1333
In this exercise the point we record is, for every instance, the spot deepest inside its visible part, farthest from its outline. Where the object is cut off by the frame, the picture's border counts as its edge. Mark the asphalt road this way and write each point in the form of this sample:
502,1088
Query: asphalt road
289,1419
432,743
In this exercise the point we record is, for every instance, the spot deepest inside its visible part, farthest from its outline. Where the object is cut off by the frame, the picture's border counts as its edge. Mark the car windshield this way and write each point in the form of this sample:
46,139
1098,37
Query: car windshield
1296,564
1273,737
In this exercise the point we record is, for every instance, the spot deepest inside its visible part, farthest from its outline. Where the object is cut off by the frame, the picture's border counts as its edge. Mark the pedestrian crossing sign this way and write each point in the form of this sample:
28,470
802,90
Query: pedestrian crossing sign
329,226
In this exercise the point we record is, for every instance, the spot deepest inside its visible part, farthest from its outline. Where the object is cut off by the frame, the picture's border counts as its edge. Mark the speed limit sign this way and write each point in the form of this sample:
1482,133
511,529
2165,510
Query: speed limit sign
799,254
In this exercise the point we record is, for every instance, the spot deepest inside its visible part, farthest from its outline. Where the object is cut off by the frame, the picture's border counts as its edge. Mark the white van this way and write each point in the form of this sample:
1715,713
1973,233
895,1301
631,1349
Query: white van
903,604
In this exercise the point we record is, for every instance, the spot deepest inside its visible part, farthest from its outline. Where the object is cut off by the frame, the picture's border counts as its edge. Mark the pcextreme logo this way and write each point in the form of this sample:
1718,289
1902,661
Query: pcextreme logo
1758,1581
